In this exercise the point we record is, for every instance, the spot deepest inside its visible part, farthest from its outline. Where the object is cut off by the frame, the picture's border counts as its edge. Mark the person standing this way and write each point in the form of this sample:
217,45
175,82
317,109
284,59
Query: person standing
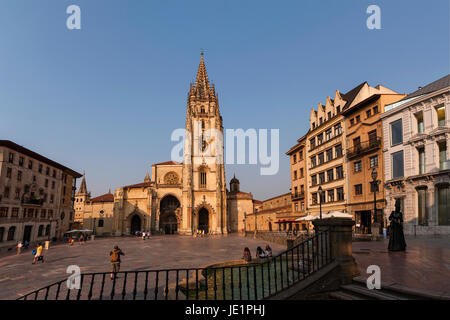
115,261
19,247
396,236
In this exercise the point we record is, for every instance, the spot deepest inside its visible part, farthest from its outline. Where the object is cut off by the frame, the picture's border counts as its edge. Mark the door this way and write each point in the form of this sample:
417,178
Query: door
27,233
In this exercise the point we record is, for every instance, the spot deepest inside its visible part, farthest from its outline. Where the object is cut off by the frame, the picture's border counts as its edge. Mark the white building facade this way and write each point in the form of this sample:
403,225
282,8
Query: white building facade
416,134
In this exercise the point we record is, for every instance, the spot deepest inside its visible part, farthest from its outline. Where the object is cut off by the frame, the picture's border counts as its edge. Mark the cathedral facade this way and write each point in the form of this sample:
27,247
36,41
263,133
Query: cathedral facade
179,197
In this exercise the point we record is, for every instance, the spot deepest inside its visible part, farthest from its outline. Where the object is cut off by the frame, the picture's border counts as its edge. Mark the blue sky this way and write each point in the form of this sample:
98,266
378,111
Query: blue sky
105,99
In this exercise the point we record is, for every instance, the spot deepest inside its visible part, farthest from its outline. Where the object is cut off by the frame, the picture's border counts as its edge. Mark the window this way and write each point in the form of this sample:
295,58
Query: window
314,125
397,165
53,184
43,213
422,206
302,188
320,138
444,205
11,233
419,119
421,152
329,154
295,175
314,198
329,115
47,171
303,206
6,193
320,120
322,197
203,179
52,198
312,142
357,166
294,158
295,191
443,156
40,230
339,172
338,109
9,172
15,212
373,161
337,129
21,161
375,110
40,168
358,119
301,173
300,155
4,212
373,137
313,161
19,175
358,189
50,213
330,195
30,164
2,231
314,180
11,157
17,195
340,194
321,157
100,223
441,116
338,150
46,183
330,175
322,177
63,215
357,144
47,230
396,132
352,122
328,134
369,113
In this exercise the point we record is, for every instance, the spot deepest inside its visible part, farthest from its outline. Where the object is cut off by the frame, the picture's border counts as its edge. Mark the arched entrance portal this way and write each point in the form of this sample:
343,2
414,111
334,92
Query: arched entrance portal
168,222
203,220
135,224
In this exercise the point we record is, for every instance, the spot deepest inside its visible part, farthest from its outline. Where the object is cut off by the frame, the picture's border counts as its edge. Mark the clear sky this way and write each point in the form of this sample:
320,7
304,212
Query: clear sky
105,99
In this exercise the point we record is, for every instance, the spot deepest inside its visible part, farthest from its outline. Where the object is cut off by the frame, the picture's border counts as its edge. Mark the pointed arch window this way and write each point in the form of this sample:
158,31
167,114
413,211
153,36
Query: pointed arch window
203,178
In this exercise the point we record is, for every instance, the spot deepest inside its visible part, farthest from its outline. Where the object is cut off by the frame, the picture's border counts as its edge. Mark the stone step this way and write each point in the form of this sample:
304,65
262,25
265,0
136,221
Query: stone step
339,295
370,294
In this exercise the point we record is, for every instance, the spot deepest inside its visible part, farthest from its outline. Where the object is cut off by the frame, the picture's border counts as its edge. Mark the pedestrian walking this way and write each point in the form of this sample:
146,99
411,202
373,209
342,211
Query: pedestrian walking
115,261
38,256
19,247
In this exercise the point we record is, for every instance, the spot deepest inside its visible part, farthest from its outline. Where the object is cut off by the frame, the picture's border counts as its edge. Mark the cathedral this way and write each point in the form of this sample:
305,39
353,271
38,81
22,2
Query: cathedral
179,197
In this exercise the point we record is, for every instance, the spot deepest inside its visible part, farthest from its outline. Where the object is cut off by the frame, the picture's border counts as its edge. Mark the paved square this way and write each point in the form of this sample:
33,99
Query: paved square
18,276
424,265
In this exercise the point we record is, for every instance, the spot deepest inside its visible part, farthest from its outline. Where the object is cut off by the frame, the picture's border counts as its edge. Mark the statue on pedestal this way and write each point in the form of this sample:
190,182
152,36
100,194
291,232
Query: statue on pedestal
396,236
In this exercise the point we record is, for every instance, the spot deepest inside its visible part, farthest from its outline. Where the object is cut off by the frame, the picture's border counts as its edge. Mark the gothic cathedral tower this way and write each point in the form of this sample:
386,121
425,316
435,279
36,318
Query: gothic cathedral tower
204,187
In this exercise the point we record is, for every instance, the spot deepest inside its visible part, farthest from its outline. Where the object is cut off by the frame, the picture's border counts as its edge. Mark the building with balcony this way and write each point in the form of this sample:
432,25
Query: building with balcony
299,185
416,139
364,156
36,196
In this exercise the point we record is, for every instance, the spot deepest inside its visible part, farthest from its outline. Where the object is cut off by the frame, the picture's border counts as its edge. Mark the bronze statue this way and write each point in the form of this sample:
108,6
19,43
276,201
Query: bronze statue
396,237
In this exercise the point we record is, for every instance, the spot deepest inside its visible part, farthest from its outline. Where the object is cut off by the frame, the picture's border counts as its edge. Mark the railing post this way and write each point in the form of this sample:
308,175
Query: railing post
340,241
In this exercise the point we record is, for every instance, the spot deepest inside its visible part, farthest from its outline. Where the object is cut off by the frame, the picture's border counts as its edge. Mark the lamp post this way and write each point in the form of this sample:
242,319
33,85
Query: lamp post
374,182
320,203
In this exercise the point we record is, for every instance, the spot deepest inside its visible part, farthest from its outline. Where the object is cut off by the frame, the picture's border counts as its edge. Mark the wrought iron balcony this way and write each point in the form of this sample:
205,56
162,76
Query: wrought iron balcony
363,147
298,195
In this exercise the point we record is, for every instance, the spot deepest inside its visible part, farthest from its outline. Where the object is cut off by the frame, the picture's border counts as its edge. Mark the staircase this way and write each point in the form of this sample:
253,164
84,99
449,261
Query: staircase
358,290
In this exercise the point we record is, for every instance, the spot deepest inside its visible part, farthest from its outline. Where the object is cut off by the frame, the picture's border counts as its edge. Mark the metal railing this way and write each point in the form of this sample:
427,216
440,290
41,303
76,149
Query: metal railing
260,279
363,147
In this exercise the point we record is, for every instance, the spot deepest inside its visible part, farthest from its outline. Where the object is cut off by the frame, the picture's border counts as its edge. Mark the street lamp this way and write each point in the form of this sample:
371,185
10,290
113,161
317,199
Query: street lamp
374,178
320,203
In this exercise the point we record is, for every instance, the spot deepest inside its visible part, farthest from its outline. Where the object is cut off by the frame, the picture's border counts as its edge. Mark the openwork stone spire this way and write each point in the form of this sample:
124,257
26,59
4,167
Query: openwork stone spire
83,188
202,87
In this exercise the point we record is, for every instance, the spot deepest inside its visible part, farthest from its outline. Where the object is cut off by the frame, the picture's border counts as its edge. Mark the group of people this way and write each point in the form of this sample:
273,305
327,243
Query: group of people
20,246
260,253
200,233
143,234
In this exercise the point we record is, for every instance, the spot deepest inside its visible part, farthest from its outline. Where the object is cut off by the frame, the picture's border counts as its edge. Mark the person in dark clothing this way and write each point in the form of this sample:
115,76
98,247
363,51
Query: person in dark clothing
115,261
396,237
247,255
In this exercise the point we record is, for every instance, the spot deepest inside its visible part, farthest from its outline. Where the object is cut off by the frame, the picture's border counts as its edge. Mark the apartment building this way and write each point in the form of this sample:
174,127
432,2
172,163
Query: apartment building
416,137
364,157
36,196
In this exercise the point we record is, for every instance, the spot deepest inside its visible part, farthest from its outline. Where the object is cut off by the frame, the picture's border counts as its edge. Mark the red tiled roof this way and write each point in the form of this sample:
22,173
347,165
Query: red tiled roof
166,163
257,201
139,185
109,197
